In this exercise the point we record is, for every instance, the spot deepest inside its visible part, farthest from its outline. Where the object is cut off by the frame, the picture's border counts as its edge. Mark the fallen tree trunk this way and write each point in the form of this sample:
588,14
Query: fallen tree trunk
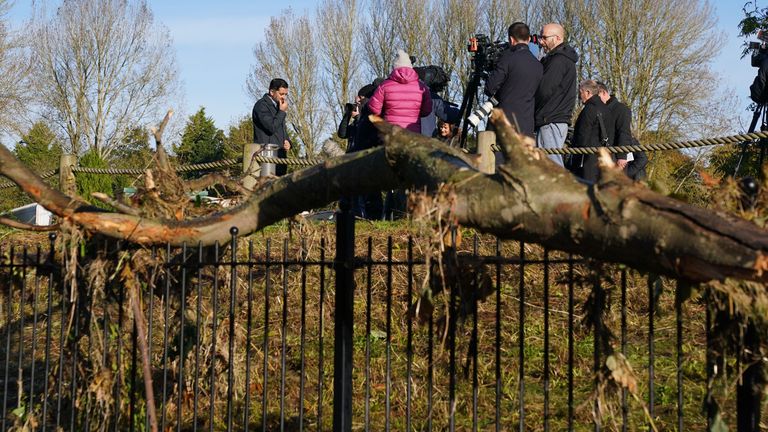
529,199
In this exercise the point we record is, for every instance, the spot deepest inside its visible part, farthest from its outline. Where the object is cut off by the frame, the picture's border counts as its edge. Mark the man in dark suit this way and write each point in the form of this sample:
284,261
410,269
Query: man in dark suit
515,79
592,129
269,120
622,121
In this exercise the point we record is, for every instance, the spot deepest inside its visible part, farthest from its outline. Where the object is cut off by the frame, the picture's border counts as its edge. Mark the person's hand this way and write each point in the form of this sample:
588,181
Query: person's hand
286,145
283,104
355,111
622,163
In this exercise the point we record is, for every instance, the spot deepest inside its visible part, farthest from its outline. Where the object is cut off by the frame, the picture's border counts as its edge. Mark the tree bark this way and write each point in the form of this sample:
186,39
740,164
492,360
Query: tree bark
529,198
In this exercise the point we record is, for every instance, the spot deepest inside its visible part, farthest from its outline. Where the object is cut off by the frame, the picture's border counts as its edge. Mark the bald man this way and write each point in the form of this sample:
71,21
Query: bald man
556,95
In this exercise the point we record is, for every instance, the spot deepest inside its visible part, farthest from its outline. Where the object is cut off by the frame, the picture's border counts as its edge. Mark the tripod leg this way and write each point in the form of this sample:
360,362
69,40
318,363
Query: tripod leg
763,143
465,109
745,145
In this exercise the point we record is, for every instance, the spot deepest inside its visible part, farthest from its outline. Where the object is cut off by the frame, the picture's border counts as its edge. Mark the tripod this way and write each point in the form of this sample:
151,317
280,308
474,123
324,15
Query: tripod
470,94
759,111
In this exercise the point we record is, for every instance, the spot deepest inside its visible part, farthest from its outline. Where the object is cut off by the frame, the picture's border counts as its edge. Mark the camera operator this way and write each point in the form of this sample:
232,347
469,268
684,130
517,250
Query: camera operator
349,122
515,79
758,87
556,96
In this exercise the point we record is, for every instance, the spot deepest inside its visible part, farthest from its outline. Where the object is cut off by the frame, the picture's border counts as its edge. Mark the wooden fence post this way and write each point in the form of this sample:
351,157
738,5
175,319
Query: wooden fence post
67,182
250,171
485,140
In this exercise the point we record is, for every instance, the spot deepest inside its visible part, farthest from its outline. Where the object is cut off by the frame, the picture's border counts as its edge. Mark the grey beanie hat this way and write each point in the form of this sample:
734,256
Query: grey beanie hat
402,59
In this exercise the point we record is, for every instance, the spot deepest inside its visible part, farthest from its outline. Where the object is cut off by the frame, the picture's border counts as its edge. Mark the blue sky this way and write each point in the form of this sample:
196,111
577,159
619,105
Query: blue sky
214,42
736,73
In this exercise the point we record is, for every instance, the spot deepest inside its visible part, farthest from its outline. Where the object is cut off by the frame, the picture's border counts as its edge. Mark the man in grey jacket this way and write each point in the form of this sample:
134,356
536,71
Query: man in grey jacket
269,120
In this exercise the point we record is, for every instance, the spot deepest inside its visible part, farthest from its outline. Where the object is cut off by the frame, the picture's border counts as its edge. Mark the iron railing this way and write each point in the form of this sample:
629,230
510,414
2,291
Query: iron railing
499,336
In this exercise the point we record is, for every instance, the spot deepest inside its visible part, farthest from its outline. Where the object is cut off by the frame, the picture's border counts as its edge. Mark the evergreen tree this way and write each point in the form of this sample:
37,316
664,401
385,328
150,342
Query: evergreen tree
239,134
39,148
201,141
89,183
133,151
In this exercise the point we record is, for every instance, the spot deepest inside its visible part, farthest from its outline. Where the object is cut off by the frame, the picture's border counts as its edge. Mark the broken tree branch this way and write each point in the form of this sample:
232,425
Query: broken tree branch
529,199
213,179
27,227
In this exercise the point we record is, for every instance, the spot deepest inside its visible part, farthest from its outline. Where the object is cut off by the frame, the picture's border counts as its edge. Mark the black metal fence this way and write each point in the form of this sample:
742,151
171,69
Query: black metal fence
282,335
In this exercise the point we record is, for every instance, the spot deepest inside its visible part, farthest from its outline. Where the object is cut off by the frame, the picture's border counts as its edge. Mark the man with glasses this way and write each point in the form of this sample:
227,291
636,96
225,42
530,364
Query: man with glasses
269,120
556,95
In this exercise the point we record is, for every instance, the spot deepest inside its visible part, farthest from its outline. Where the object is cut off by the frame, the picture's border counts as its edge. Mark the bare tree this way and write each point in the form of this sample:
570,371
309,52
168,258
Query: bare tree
100,67
290,50
499,14
378,37
14,68
455,22
662,73
412,23
338,22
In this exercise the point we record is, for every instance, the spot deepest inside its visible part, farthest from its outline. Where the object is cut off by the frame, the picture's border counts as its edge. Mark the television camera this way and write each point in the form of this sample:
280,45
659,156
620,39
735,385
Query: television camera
485,56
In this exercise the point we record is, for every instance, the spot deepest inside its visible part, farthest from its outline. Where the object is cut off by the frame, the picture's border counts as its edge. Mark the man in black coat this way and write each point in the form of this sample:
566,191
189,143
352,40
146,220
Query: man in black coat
515,79
556,95
636,167
361,134
269,120
622,122
592,130
757,91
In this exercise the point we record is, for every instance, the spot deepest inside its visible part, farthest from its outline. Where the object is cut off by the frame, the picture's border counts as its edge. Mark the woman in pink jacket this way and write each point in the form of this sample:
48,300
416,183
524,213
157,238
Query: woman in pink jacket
402,99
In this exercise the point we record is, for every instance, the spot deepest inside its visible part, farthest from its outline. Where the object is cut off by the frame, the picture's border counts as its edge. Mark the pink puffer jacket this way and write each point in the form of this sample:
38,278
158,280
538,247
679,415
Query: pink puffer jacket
402,99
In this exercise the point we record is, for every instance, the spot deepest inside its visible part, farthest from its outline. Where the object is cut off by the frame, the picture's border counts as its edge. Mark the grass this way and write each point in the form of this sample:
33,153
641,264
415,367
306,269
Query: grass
105,362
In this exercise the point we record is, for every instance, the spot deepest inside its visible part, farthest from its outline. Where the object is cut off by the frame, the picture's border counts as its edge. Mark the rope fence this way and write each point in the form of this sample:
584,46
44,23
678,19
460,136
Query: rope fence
208,166
705,142
305,162
45,175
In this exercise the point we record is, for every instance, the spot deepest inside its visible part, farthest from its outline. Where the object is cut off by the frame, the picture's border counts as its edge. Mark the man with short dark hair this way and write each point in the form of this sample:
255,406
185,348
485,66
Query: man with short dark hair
556,96
269,120
515,79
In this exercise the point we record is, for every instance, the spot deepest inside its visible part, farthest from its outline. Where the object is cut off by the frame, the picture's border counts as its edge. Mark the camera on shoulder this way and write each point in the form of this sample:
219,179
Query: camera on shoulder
759,49
486,53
